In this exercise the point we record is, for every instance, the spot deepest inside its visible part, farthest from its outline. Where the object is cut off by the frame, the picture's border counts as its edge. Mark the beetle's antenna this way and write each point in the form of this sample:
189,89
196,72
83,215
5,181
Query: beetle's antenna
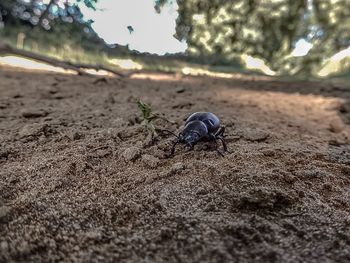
170,132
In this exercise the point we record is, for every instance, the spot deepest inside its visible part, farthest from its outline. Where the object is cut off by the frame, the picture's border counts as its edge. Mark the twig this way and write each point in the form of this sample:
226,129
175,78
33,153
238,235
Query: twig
98,68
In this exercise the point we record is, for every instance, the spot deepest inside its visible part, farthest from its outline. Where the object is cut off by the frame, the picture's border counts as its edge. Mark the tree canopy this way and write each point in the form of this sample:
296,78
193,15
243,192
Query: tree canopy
267,29
47,22
42,13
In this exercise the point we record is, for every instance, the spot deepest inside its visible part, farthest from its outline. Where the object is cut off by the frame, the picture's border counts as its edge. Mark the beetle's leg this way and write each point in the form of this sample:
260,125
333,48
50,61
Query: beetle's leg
217,148
223,144
220,132
220,152
219,135
172,149
213,138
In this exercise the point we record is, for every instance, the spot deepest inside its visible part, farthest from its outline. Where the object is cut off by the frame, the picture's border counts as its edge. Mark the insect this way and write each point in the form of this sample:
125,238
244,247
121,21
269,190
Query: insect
200,126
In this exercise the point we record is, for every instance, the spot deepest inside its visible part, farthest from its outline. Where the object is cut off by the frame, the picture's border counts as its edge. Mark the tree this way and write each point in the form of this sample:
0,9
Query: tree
56,19
35,12
330,27
267,29
264,29
48,23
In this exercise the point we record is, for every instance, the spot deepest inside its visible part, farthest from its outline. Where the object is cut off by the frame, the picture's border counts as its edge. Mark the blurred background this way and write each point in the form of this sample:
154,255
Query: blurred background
306,38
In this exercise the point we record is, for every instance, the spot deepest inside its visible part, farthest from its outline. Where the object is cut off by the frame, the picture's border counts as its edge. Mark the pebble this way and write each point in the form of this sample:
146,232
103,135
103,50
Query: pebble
344,108
100,153
180,90
268,152
178,167
4,153
4,105
255,135
93,235
33,113
119,123
74,135
23,247
4,246
201,191
150,160
53,90
336,125
158,153
289,178
4,210
17,96
132,153
58,96
34,129
336,142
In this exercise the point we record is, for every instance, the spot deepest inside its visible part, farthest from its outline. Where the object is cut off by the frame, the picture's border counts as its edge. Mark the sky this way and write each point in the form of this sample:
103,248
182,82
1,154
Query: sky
152,33
302,48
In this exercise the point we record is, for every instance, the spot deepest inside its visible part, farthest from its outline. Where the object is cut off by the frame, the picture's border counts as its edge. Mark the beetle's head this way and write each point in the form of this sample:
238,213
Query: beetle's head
189,138
192,133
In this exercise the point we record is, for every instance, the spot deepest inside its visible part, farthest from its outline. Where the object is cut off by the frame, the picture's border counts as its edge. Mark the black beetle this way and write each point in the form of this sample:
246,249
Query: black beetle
201,126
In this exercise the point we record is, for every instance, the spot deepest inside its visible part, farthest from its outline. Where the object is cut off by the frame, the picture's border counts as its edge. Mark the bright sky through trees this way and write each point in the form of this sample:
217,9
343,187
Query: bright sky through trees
135,23
152,32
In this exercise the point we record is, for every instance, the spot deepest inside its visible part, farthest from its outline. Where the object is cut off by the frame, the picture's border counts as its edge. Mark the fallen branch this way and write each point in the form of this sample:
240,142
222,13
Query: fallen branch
7,49
98,68
79,68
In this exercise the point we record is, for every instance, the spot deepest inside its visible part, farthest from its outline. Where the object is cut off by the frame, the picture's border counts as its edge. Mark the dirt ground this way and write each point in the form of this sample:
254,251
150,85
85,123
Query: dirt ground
81,180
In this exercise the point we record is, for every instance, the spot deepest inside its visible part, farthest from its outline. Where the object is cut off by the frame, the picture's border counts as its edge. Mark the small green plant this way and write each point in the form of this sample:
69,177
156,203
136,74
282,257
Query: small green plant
147,116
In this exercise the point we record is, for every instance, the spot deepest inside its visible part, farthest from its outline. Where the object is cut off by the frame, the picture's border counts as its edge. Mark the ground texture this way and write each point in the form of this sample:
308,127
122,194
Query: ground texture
81,180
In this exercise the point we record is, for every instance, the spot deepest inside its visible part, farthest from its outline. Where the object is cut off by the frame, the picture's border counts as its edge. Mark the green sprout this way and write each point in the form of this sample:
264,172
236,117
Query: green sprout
148,116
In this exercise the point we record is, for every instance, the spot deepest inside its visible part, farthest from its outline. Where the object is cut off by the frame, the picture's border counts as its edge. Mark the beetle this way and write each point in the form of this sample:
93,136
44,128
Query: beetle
200,126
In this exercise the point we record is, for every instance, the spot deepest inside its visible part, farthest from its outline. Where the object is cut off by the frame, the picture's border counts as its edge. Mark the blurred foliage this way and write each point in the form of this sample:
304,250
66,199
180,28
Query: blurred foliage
263,29
53,27
266,29
42,13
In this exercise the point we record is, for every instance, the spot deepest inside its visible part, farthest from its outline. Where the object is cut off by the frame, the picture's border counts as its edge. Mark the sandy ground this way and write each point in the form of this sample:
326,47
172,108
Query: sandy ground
81,181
